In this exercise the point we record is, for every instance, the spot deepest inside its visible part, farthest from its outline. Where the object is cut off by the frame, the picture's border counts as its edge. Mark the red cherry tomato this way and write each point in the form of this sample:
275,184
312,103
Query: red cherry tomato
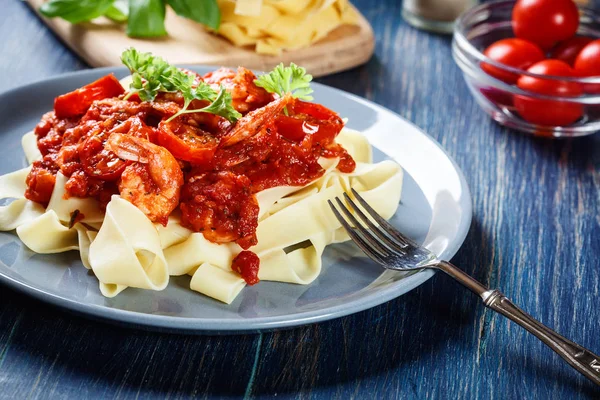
514,52
187,142
568,50
545,22
587,64
77,102
98,162
309,118
549,112
497,96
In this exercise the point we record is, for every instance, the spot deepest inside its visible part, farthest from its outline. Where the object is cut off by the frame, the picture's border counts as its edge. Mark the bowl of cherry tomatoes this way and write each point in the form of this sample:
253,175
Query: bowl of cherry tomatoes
533,65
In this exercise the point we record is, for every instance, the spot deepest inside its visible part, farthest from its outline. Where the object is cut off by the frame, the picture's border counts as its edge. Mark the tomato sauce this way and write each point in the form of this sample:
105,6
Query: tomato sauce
247,264
220,180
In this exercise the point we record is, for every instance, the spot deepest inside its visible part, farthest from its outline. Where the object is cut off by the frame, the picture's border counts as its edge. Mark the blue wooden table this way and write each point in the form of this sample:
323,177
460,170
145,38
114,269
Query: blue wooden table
535,235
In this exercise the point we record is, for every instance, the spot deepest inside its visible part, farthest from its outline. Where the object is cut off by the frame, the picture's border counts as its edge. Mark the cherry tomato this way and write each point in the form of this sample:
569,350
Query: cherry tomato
309,118
187,142
549,112
588,64
99,162
497,96
77,102
568,50
514,52
290,128
545,22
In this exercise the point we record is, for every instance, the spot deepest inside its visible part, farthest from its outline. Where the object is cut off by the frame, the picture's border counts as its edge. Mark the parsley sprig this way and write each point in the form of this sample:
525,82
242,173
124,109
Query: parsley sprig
282,80
152,74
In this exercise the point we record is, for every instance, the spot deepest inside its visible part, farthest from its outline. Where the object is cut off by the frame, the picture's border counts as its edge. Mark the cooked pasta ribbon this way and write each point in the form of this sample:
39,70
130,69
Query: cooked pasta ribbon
127,251
217,283
20,210
65,207
29,143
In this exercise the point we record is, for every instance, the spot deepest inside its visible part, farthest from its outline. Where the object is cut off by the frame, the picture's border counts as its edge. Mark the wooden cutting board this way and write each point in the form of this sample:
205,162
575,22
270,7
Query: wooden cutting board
100,44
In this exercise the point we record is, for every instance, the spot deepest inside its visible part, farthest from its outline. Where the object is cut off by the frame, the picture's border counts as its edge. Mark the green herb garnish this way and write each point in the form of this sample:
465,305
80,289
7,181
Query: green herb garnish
221,105
282,80
145,18
152,74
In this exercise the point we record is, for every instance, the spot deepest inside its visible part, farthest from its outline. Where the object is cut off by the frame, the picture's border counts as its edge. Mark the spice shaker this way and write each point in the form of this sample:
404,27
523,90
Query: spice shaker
434,15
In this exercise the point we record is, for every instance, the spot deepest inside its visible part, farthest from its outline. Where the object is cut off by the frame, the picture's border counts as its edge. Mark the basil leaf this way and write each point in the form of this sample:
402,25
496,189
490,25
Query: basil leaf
146,18
119,11
75,11
204,11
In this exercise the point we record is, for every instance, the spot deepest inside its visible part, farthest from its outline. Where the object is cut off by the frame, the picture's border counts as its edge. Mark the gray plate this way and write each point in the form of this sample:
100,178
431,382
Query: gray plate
435,210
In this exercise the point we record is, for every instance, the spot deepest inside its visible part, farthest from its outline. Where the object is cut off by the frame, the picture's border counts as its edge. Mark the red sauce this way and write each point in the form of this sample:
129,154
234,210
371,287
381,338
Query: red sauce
50,131
247,264
218,194
41,179
221,206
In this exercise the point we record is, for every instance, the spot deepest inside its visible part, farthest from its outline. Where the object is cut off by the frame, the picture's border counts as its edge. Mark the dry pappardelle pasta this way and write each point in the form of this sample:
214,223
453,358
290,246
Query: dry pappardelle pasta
271,26
146,186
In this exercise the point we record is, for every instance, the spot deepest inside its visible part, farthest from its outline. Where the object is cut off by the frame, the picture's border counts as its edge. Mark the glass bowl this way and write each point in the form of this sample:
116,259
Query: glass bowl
483,25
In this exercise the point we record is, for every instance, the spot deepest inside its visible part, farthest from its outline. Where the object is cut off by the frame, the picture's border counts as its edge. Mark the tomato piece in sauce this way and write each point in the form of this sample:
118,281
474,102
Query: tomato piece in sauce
78,101
247,265
187,142
309,119
99,162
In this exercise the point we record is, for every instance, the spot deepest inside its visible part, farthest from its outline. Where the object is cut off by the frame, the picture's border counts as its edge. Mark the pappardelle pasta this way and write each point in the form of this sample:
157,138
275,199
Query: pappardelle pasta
230,189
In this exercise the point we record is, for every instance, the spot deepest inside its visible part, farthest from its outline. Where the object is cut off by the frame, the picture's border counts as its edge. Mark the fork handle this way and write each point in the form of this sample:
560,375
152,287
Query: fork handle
580,358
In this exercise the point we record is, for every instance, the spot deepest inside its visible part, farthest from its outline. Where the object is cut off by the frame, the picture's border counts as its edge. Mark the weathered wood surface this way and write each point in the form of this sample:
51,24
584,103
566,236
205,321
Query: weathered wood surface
535,234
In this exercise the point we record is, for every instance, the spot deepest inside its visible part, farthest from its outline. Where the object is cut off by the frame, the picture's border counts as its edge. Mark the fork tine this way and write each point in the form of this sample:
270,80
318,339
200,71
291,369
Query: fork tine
381,234
360,242
358,227
389,229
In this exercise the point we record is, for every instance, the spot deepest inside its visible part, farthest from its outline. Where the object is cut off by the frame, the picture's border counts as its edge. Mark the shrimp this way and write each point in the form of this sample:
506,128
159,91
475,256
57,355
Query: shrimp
153,181
246,96
253,122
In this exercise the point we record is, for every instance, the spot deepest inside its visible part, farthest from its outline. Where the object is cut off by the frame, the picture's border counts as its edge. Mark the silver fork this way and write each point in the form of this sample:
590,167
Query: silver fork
388,247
